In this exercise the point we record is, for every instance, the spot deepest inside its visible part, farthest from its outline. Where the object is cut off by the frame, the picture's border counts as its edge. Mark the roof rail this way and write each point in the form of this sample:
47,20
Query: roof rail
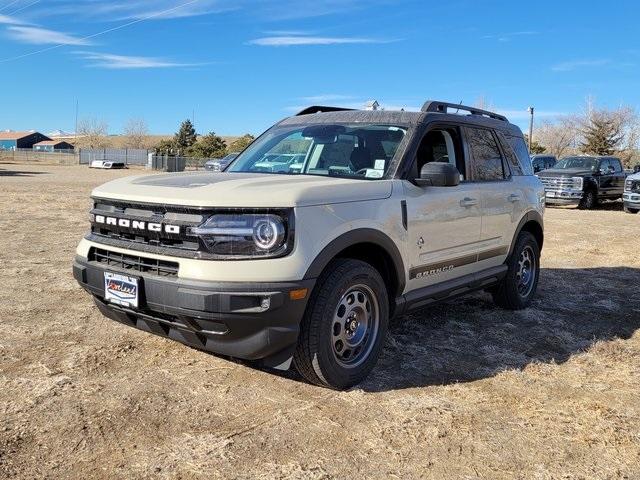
319,108
443,107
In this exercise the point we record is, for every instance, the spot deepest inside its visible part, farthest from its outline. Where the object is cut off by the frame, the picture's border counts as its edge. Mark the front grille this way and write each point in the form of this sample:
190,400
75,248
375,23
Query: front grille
135,263
161,216
632,186
557,183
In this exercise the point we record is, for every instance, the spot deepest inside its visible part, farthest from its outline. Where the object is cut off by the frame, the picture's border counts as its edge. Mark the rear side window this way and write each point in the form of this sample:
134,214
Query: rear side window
512,158
522,152
487,164
615,163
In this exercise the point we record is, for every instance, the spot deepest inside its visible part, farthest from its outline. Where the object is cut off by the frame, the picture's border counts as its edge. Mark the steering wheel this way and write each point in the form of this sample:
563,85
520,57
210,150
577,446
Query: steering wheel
362,171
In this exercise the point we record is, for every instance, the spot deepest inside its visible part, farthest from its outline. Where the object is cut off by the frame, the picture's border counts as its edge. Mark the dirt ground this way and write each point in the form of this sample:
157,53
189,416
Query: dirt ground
463,390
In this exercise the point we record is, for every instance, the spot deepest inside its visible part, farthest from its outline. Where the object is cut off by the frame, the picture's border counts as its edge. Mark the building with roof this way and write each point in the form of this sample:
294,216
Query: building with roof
14,140
52,146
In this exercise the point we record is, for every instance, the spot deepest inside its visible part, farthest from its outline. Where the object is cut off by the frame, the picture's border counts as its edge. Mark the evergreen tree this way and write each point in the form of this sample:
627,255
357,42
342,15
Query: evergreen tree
535,148
241,143
186,136
602,134
208,146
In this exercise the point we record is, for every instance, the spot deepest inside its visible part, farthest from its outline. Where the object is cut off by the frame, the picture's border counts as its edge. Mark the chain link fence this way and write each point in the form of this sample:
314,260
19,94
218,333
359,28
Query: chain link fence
128,156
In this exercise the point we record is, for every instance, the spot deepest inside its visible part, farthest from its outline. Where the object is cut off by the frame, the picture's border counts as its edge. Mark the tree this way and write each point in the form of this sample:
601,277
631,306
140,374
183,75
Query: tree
241,143
136,133
186,136
165,147
559,137
602,133
92,133
208,146
535,148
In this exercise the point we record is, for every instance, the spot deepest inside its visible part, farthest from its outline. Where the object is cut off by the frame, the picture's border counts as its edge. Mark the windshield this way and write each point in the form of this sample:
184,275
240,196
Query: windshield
578,162
353,151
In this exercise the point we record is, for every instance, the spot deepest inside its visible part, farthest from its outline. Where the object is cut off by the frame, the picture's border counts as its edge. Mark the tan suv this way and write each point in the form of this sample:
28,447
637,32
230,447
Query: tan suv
385,212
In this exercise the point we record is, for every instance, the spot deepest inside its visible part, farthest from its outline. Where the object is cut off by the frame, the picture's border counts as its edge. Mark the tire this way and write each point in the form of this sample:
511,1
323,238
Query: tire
344,327
589,200
631,210
517,289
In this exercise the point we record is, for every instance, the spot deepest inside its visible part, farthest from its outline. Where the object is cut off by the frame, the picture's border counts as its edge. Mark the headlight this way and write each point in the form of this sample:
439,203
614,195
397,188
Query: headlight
246,235
578,183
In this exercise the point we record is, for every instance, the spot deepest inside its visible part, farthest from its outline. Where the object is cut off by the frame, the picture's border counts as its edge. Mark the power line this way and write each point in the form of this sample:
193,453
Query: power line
94,35
9,4
24,8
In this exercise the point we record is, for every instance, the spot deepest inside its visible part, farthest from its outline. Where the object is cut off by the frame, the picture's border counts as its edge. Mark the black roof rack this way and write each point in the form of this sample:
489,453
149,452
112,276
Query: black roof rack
319,108
443,107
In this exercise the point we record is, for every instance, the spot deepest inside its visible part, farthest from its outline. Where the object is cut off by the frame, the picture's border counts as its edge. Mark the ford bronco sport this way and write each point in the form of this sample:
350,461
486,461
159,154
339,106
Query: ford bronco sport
386,212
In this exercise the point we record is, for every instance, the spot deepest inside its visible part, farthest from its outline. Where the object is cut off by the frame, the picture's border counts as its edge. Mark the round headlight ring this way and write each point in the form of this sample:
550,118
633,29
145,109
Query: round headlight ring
268,233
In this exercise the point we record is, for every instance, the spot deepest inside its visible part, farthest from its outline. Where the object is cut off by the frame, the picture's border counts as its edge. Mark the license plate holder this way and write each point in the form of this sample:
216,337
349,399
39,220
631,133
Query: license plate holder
551,194
123,290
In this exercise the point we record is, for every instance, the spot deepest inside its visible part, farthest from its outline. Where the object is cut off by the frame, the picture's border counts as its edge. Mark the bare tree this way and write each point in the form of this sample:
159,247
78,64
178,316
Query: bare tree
559,137
92,133
136,133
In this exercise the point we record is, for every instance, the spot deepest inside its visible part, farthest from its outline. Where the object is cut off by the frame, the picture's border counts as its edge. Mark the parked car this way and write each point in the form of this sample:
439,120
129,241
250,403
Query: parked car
543,162
584,181
390,211
631,195
220,164
281,163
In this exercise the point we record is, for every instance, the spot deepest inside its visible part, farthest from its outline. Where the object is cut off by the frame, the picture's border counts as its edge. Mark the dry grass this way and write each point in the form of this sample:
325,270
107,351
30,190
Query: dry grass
463,390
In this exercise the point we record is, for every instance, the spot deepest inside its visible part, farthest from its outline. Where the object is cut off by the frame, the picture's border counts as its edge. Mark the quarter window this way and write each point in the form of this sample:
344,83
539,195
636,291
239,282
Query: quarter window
487,162
511,155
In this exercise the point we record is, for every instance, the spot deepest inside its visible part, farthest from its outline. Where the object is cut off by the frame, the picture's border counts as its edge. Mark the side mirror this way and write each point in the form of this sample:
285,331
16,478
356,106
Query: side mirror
438,174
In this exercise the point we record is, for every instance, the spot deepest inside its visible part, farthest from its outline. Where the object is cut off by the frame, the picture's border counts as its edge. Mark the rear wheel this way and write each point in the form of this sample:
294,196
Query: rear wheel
344,328
518,287
589,200
631,210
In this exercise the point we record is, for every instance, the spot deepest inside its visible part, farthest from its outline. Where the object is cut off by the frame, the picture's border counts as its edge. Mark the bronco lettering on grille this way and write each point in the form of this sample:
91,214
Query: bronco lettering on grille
138,225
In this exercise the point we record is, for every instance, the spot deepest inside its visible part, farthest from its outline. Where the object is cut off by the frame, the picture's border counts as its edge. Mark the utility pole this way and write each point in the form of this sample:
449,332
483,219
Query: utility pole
531,109
75,134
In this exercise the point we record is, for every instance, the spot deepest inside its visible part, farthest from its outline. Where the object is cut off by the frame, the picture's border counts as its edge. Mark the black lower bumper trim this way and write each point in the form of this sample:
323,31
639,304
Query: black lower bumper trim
251,321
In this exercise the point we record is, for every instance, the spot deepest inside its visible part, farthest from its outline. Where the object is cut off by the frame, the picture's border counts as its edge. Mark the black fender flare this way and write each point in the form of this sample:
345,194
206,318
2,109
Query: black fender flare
353,237
531,216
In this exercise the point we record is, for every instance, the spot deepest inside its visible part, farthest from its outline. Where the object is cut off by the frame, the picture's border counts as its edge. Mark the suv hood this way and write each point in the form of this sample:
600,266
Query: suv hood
204,189
635,176
565,172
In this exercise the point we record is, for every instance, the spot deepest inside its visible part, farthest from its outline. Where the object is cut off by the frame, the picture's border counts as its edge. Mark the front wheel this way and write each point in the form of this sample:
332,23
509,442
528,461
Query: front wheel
518,287
631,210
589,200
344,327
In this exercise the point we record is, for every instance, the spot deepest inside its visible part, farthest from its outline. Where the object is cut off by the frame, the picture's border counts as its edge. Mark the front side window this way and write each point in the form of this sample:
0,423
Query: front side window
487,162
352,151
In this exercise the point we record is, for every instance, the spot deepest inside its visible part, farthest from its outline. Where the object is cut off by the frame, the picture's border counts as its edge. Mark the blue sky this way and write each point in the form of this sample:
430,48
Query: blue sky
241,65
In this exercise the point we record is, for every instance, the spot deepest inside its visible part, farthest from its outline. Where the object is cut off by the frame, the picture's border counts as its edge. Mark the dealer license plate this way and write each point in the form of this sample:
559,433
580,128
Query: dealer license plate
121,289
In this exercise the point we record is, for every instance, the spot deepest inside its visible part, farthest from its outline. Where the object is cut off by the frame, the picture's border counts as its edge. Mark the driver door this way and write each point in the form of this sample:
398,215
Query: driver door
443,223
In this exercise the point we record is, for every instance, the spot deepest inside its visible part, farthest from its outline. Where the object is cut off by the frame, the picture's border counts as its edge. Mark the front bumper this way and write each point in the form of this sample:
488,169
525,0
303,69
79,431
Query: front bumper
563,197
256,321
631,200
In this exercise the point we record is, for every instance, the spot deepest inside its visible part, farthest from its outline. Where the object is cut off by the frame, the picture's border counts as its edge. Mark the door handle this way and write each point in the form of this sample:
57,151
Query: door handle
468,202
514,197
